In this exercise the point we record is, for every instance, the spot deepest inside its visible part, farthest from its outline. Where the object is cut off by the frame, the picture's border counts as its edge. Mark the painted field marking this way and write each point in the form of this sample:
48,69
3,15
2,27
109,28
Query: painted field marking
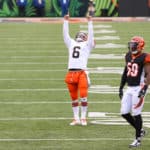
49,79
94,118
104,89
12,102
30,79
106,56
97,26
34,118
94,56
104,31
101,31
100,38
106,118
115,70
34,90
32,57
109,46
37,70
56,63
67,139
112,70
34,51
29,63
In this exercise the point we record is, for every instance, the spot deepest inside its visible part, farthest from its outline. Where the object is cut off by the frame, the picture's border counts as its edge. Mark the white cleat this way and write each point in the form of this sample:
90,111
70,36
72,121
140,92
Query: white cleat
75,122
83,122
135,143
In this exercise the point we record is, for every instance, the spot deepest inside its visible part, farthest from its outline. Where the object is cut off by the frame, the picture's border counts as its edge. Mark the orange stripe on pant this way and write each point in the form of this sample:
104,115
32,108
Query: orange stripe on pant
77,84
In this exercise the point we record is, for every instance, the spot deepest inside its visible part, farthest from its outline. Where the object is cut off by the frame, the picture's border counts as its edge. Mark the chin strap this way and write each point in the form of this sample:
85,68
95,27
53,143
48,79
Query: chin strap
79,40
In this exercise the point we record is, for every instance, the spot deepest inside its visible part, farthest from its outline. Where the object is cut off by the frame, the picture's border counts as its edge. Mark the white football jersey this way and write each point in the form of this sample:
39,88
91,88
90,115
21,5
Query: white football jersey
78,51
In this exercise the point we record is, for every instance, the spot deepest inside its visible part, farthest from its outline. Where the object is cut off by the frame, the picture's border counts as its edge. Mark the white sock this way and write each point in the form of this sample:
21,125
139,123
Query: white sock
76,112
84,107
83,112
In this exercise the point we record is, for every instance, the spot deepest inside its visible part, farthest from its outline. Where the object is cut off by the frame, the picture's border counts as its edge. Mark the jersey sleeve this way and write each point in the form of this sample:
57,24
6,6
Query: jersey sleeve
147,59
91,41
66,35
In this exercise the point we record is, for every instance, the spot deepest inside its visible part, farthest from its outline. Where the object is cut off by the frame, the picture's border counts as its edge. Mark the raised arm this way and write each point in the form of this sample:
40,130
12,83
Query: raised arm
91,41
66,35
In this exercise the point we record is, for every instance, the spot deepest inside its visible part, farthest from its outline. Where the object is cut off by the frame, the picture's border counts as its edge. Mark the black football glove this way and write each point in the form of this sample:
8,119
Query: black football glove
120,93
142,92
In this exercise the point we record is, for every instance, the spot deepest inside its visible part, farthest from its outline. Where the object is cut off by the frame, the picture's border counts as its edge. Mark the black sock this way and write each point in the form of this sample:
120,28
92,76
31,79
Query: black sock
130,119
138,123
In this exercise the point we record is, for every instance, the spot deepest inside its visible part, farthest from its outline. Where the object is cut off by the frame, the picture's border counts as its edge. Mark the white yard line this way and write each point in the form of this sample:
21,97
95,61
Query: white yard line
29,63
66,139
57,63
97,26
93,89
33,51
12,102
116,70
104,38
30,79
33,90
55,102
106,56
33,57
34,102
109,45
92,56
38,70
51,79
33,118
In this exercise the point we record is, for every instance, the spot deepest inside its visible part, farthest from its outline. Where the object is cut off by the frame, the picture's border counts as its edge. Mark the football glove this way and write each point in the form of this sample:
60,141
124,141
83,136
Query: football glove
142,92
120,93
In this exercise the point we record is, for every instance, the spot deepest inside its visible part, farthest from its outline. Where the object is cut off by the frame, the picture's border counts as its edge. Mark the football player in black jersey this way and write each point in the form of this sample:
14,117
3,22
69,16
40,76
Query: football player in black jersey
136,75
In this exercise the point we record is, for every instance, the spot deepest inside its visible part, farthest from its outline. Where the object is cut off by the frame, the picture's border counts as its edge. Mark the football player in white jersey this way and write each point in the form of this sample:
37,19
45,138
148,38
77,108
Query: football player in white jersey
77,79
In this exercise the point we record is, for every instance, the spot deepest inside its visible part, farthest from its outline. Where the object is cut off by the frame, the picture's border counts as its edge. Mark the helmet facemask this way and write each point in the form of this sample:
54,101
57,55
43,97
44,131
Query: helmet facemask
136,45
132,46
81,37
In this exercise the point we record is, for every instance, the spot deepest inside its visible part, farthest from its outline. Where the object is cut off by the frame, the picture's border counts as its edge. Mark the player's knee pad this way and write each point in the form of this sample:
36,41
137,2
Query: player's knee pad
84,101
75,103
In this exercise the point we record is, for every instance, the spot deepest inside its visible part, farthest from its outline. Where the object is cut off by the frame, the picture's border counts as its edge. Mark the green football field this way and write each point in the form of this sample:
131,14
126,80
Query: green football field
35,108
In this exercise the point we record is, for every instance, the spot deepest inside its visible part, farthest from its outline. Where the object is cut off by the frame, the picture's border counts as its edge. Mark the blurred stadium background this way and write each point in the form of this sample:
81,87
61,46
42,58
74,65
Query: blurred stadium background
77,8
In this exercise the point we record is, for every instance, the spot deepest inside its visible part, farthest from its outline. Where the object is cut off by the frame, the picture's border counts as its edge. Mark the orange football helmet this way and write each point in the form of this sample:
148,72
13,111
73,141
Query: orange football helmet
136,45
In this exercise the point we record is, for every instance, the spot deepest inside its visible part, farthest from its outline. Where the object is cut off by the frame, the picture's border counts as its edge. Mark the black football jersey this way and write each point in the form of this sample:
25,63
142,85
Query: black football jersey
135,69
